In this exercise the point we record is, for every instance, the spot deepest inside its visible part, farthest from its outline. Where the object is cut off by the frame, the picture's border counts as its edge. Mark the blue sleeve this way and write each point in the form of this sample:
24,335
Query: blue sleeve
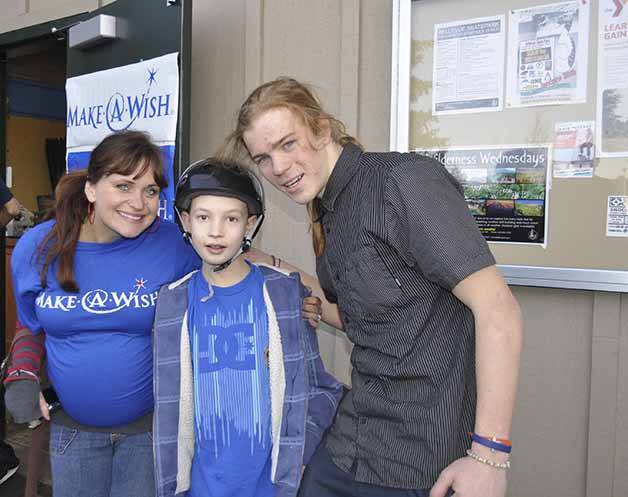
26,280
5,193
324,392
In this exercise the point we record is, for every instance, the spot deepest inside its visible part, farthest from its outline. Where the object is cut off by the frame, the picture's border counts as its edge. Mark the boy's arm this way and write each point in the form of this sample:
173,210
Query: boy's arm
324,391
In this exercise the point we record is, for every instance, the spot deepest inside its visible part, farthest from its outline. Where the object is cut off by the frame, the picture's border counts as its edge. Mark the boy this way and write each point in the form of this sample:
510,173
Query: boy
241,396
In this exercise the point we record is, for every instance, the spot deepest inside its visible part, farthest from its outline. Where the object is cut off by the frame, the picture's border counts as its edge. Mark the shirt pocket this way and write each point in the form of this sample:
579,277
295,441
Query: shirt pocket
373,286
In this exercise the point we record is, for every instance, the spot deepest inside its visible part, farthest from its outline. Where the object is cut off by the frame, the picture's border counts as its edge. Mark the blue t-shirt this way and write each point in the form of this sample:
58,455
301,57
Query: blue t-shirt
98,340
229,343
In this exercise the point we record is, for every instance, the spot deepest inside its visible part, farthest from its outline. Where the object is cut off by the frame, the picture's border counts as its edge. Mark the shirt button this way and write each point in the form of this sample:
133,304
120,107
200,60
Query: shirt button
337,277
327,230
362,421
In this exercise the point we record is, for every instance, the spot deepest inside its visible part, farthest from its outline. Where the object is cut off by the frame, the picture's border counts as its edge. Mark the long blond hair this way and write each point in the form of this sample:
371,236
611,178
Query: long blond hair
301,99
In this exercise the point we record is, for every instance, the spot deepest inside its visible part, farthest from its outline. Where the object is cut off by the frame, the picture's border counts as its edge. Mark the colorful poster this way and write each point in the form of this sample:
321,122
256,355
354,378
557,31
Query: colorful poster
469,65
612,79
617,216
574,150
547,54
142,96
506,189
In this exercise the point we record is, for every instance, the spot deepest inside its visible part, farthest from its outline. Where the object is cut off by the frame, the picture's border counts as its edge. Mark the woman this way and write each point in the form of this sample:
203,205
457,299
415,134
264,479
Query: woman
89,279
419,296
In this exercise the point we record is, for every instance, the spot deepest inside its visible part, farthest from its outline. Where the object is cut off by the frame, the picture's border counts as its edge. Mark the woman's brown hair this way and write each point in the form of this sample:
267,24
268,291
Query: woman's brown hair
303,102
124,153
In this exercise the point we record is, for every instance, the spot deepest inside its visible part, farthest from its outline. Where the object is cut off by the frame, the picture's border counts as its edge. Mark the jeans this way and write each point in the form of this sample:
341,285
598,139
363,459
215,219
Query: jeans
92,464
322,478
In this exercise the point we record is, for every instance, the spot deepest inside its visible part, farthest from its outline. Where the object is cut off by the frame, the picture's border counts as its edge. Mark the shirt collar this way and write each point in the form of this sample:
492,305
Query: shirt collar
344,170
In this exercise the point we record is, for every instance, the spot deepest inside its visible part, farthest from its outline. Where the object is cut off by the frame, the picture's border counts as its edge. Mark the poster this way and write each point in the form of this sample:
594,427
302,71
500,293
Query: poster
547,54
506,189
142,96
612,79
617,216
468,71
574,150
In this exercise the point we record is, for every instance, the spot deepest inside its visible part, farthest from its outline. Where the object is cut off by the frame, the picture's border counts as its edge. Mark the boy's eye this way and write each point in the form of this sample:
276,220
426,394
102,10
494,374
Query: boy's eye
233,219
202,217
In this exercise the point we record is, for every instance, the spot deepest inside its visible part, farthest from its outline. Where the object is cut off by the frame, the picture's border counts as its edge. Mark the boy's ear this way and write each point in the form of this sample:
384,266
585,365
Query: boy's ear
185,220
251,223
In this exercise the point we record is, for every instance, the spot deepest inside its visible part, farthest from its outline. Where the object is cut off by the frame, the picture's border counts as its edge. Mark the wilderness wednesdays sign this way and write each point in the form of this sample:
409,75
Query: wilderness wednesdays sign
505,188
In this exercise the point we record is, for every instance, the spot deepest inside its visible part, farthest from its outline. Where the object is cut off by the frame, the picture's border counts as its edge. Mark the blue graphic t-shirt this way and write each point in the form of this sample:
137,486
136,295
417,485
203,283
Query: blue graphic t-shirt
98,341
229,343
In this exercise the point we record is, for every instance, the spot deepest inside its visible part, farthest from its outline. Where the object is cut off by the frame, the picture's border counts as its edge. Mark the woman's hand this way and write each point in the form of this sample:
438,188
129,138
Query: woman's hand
312,309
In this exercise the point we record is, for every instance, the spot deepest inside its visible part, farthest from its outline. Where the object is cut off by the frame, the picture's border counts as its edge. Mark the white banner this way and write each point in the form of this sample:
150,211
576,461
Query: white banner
142,96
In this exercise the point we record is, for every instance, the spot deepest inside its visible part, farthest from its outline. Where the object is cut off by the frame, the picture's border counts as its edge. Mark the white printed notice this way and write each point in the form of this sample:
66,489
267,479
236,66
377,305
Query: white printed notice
469,66
547,54
574,150
617,216
142,96
612,79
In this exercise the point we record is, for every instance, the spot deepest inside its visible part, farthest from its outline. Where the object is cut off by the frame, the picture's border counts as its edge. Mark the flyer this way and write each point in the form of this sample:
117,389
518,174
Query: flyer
574,150
617,216
506,189
547,54
612,79
468,71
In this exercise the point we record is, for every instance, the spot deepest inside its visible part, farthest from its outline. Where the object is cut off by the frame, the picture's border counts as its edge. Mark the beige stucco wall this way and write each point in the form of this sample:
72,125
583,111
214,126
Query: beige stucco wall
571,424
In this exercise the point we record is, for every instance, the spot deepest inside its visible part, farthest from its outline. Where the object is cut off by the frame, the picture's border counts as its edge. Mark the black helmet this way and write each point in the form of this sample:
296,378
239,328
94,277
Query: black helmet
218,177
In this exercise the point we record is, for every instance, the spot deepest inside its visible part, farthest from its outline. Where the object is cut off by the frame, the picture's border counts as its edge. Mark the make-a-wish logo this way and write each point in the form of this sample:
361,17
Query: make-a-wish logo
121,111
100,301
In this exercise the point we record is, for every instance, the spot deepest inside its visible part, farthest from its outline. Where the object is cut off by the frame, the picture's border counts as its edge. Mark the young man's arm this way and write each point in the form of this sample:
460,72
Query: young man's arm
329,312
498,332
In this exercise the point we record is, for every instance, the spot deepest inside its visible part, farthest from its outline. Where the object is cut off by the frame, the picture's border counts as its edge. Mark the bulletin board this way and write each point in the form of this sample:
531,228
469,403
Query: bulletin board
518,79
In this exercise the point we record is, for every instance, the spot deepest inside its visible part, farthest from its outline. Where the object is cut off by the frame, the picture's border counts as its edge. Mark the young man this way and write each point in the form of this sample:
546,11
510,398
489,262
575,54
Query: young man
241,395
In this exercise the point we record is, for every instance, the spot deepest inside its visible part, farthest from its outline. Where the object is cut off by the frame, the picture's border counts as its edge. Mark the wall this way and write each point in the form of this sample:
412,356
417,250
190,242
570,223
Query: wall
571,423
26,154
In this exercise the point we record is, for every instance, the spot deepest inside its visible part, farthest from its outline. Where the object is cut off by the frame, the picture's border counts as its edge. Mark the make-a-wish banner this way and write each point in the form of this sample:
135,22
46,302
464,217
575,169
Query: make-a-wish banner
142,96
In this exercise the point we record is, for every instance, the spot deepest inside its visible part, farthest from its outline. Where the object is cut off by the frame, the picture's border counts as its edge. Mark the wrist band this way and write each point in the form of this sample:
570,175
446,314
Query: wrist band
488,462
493,443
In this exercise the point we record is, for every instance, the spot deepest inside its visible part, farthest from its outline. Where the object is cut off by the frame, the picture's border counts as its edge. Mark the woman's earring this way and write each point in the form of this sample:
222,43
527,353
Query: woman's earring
91,213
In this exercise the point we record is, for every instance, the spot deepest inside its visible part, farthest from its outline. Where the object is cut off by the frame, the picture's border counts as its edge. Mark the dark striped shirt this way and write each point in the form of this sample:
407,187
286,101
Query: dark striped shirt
399,237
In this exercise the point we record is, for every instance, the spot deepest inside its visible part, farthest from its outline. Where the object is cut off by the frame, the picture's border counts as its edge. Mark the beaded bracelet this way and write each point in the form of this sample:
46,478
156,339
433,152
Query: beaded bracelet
488,462
493,443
